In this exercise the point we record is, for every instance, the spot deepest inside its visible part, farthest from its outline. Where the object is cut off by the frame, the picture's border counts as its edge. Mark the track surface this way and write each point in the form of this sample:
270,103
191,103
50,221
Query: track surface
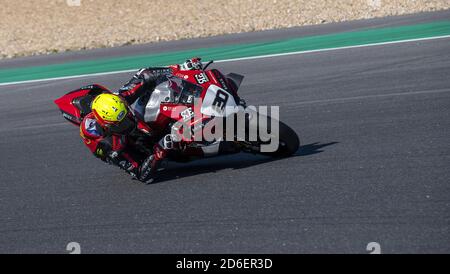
374,166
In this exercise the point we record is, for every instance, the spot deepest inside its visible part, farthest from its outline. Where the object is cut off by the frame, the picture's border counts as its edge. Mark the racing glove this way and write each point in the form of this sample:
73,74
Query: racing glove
192,64
144,80
147,77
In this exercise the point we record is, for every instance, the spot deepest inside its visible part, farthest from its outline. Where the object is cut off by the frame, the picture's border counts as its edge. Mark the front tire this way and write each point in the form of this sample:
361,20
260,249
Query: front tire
288,139
288,142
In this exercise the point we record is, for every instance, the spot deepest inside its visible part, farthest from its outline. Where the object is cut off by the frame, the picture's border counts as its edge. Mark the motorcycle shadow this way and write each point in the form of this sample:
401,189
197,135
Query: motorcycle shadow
233,161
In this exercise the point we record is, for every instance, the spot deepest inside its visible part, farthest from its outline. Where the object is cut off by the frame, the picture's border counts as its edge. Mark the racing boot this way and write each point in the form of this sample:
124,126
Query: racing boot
148,168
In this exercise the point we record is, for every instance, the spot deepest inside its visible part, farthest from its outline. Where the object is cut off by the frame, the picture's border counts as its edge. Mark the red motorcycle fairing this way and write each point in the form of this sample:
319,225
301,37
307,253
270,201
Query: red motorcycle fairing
76,104
205,78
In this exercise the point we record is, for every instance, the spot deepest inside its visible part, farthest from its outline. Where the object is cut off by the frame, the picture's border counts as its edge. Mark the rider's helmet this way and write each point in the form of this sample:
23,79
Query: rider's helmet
113,113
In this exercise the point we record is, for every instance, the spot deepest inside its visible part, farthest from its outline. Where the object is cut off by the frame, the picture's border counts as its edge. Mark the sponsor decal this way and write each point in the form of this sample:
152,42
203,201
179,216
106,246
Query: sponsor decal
68,116
121,115
222,82
181,75
187,114
201,78
190,99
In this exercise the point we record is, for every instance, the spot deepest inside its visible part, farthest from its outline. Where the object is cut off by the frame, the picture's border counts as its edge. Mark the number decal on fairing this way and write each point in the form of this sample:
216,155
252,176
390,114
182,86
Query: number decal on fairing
201,78
217,102
221,99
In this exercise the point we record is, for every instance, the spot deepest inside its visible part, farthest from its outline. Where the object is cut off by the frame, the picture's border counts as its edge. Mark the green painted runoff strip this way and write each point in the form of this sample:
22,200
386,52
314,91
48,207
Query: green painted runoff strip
344,39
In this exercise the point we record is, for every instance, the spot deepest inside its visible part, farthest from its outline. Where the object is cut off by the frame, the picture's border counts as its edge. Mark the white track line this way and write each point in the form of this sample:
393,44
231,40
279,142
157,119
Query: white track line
330,49
235,59
67,77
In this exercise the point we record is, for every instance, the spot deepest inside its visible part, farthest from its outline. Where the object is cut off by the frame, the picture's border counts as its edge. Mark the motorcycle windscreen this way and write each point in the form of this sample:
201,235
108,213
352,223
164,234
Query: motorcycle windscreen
175,90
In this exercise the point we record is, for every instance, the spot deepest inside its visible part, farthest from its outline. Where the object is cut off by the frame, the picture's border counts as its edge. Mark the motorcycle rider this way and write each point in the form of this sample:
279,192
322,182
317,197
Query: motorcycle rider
112,130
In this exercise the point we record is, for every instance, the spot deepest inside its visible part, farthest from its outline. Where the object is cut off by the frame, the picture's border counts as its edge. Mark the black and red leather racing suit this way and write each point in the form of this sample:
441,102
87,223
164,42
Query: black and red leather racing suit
119,147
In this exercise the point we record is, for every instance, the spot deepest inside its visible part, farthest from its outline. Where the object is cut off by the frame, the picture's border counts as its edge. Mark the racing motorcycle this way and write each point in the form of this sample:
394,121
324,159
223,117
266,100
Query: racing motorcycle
182,95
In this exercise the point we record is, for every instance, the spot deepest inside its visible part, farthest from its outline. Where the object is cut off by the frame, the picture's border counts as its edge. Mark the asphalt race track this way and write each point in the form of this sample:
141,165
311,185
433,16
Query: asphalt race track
374,165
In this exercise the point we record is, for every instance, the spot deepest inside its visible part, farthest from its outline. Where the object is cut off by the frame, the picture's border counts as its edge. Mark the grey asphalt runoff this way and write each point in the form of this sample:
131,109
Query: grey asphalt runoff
374,123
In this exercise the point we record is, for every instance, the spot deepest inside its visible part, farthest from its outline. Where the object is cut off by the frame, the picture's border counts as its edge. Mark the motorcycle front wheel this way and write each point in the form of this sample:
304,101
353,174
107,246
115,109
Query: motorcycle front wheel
288,140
